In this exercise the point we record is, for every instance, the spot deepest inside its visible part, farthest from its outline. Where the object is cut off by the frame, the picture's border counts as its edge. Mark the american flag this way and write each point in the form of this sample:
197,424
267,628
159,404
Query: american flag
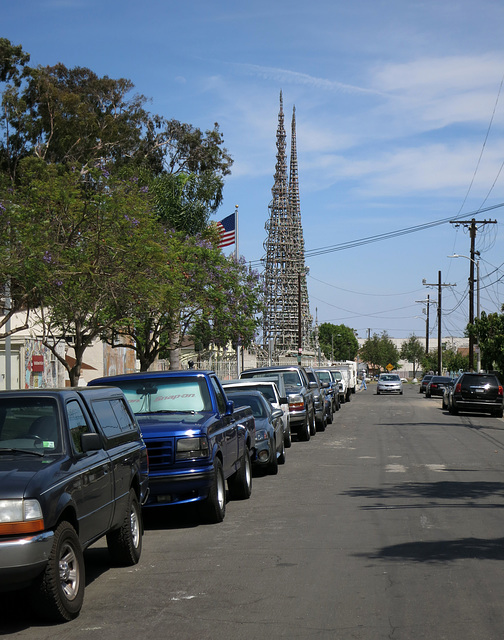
227,231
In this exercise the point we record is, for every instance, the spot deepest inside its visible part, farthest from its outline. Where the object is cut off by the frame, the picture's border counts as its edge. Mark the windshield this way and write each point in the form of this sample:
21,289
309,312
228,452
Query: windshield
161,395
29,424
265,389
389,378
245,400
324,376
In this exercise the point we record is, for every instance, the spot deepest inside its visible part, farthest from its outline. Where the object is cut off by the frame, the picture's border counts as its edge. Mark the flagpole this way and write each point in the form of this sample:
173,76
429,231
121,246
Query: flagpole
237,255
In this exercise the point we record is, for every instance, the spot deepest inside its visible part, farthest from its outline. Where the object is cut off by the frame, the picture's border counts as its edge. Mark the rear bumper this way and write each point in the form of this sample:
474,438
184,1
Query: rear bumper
475,406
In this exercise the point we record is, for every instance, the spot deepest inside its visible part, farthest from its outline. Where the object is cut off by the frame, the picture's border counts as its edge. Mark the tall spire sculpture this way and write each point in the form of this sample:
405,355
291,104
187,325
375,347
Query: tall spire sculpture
287,320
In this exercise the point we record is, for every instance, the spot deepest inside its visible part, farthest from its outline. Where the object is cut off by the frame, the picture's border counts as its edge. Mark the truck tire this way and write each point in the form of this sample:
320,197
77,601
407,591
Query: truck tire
125,544
272,466
213,508
240,483
288,438
305,432
281,457
59,592
313,425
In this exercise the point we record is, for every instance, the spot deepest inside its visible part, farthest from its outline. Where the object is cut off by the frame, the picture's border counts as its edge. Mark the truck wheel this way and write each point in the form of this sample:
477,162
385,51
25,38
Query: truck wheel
313,425
59,592
240,483
272,466
288,438
452,410
348,395
321,426
125,544
213,508
305,431
281,457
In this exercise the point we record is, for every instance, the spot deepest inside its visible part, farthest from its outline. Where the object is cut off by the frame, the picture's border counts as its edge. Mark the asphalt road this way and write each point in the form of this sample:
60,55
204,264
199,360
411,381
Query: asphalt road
387,525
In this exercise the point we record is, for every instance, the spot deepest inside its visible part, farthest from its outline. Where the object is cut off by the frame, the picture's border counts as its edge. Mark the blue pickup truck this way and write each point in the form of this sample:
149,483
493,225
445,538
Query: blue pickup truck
195,437
73,468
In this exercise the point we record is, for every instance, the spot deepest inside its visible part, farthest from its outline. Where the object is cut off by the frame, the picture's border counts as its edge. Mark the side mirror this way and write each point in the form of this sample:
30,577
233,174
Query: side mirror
229,407
325,385
90,442
313,385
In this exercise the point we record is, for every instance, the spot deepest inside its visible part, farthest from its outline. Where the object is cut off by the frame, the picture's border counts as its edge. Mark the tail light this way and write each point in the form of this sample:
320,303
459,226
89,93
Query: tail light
458,387
500,391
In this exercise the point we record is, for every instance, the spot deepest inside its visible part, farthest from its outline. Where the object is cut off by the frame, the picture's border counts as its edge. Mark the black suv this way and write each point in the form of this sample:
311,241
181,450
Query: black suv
477,392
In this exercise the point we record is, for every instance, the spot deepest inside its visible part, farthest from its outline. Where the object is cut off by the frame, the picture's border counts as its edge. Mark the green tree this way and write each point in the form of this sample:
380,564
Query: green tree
454,361
488,330
95,239
338,342
412,350
379,351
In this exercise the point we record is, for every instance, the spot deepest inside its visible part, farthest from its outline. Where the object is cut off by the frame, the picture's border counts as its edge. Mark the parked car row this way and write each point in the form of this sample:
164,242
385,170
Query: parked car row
469,391
475,393
80,464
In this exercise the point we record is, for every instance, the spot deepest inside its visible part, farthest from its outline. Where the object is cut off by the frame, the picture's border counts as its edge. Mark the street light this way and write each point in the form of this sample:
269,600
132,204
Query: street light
471,307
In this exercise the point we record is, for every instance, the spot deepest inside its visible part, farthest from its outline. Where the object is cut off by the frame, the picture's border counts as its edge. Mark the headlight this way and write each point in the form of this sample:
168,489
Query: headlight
261,435
20,516
188,448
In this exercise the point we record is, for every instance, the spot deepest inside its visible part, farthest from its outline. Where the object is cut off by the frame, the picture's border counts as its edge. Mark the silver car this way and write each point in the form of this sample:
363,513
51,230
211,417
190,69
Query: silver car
389,383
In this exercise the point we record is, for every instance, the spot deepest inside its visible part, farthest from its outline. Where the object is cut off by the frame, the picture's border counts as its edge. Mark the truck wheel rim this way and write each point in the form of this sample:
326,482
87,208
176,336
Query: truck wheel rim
220,491
69,572
135,528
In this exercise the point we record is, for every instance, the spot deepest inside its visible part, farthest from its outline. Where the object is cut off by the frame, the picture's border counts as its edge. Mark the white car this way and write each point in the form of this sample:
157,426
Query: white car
270,390
389,383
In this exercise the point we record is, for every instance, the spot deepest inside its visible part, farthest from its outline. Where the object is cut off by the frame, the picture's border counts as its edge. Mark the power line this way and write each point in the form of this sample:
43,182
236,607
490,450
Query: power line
352,244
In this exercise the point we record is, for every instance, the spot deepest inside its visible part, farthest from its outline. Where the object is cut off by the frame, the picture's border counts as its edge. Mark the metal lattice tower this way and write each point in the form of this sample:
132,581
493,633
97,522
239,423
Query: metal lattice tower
285,272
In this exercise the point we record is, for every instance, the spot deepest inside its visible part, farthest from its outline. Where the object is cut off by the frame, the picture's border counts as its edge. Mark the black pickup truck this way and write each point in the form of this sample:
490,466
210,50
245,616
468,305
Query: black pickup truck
73,468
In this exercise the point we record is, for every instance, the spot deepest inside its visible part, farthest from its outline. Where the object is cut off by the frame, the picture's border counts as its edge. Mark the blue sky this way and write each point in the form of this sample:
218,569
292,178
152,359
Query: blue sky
400,122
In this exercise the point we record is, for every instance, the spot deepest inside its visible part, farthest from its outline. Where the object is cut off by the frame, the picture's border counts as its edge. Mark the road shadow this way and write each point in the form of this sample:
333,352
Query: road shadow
177,516
443,490
442,551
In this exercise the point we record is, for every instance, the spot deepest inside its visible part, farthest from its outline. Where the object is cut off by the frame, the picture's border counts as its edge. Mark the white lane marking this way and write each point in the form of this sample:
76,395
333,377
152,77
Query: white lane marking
436,467
395,468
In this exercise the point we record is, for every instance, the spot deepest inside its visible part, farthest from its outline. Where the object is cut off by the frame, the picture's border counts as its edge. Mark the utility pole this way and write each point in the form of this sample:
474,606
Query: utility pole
427,302
440,286
473,228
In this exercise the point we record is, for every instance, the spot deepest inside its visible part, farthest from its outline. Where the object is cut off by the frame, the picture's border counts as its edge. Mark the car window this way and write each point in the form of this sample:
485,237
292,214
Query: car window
30,423
77,424
292,379
479,380
242,399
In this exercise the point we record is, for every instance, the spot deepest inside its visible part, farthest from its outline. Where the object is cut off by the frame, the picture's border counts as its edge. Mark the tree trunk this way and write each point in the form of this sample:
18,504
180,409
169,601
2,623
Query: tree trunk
174,351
